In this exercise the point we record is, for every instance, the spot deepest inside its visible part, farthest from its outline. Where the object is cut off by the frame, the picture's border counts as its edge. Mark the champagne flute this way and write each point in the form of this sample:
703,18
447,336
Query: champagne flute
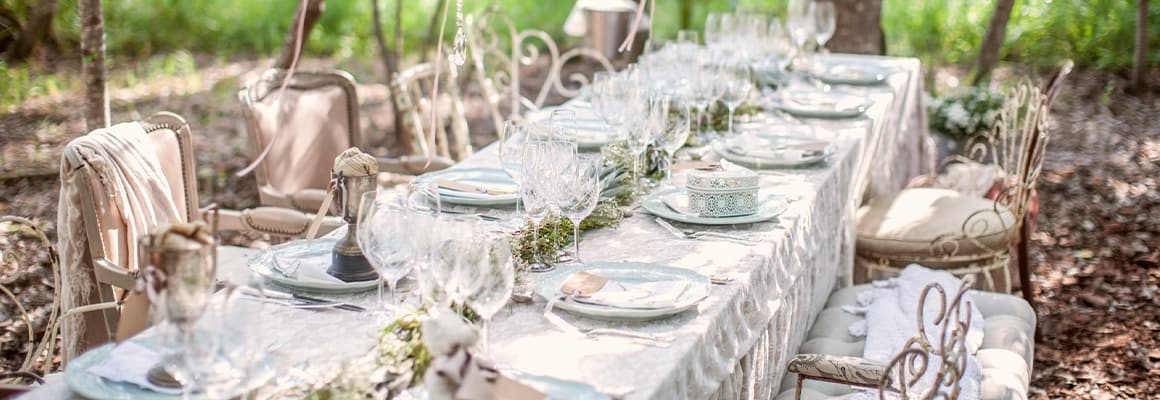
584,190
639,135
825,20
801,24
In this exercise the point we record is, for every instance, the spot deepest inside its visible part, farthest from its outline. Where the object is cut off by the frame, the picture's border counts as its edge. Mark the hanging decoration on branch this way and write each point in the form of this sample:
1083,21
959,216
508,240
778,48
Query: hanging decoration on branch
459,50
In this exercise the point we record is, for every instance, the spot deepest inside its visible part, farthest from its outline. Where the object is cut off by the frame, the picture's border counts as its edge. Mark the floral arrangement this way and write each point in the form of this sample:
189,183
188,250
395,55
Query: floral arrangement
964,115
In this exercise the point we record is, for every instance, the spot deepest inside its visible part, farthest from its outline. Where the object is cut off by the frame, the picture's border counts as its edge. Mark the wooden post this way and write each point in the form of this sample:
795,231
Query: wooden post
1140,61
93,64
390,57
993,40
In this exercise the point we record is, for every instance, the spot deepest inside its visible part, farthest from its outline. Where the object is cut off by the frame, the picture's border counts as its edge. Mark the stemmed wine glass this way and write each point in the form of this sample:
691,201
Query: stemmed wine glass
674,132
543,159
381,232
584,193
496,280
706,89
801,23
738,81
641,127
608,96
227,357
825,20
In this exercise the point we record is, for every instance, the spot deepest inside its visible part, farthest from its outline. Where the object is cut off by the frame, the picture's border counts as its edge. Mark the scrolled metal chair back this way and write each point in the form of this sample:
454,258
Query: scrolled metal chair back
500,52
412,88
1017,145
952,319
17,235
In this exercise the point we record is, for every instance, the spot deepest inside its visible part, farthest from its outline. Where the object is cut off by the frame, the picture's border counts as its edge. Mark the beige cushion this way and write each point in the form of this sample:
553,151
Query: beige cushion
906,224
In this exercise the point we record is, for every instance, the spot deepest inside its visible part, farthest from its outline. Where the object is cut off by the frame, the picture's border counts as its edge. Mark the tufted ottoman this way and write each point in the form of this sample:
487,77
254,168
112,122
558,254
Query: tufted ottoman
1005,357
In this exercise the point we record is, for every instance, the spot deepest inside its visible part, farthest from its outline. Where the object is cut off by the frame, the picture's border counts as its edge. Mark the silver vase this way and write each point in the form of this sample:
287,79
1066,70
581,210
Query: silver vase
347,261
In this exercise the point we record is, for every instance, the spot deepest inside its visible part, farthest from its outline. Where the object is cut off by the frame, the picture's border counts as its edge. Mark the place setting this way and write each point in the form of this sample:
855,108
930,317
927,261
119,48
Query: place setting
723,194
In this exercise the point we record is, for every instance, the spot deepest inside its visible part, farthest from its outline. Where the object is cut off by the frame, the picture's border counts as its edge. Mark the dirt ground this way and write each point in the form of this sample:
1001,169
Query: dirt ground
1096,254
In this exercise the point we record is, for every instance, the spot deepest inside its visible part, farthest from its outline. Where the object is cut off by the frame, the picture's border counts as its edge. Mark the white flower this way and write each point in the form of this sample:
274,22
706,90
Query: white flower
958,115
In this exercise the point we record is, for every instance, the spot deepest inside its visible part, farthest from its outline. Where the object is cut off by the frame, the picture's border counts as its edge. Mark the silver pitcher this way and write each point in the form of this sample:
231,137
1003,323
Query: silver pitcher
179,274
347,260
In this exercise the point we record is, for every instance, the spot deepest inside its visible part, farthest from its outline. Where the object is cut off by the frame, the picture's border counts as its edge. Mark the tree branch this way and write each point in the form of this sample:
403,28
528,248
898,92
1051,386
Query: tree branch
293,44
993,41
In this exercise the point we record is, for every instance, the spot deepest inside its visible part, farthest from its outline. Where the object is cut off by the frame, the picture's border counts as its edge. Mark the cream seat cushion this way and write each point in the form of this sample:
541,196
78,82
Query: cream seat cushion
1005,356
904,225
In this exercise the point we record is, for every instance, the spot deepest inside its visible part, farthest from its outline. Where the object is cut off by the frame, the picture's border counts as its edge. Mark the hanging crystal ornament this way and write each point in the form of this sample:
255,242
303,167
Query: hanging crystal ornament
459,51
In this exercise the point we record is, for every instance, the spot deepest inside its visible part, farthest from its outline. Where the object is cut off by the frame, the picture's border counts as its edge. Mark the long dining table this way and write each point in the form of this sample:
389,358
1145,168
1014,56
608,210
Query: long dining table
736,342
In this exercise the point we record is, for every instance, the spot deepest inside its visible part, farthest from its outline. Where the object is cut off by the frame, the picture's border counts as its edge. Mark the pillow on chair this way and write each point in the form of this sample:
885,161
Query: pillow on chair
907,224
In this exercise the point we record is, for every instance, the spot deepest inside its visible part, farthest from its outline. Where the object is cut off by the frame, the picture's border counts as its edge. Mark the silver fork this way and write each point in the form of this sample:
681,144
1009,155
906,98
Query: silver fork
659,340
691,234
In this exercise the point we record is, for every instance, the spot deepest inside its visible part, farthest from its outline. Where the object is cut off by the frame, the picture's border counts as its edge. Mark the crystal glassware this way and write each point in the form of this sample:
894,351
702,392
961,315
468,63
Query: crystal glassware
584,193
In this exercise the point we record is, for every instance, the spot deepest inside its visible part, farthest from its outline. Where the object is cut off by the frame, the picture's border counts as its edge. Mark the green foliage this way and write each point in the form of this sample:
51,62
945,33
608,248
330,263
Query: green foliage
962,116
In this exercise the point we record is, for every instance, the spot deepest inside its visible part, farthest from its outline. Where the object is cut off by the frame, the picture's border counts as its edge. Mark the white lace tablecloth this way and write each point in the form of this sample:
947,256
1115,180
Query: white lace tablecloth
734,346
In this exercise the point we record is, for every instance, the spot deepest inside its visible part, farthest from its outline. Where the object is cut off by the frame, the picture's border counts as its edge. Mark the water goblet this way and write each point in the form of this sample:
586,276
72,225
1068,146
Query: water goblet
584,190
496,281
825,20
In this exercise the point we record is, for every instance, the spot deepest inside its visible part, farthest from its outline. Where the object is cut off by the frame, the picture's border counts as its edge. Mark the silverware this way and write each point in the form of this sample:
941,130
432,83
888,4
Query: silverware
657,340
719,280
484,217
298,300
691,234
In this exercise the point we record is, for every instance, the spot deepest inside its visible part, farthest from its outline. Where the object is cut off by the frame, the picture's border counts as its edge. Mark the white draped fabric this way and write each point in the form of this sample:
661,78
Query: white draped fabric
735,345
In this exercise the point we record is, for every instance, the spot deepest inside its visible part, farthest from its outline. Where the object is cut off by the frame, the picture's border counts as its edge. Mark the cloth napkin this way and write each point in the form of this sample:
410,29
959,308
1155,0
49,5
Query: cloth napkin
508,187
130,362
305,264
779,151
891,310
589,127
639,295
679,202
824,102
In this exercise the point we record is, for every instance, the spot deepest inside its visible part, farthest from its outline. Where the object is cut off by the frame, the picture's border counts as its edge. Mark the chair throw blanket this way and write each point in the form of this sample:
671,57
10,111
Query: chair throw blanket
126,171
891,310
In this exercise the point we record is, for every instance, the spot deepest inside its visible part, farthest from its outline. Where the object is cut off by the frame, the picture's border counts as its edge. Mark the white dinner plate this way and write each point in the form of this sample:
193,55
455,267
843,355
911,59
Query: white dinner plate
482,177
850,73
815,104
771,206
698,289
761,151
558,389
302,264
90,386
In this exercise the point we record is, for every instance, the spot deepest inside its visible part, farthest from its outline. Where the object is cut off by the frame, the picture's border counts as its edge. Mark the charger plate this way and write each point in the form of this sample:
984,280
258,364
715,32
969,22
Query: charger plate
550,283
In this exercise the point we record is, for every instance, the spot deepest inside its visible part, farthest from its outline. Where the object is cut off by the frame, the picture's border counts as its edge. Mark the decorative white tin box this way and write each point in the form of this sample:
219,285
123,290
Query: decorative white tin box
723,193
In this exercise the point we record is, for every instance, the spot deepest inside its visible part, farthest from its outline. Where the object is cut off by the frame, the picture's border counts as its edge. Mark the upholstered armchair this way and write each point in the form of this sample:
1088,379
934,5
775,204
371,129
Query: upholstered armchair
499,52
970,219
298,132
118,183
830,363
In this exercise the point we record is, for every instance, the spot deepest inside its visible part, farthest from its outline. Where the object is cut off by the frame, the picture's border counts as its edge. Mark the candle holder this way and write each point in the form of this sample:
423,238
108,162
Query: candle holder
347,260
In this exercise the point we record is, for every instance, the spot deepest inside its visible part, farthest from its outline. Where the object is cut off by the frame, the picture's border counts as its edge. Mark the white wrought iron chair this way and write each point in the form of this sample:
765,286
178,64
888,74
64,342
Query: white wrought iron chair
96,244
310,123
959,232
17,233
500,53
830,363
413,101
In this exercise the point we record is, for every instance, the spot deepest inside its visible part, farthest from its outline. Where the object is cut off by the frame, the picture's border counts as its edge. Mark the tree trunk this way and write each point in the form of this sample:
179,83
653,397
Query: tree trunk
993,41
432,31
1139,62
294,45
93,64
390,56
686,14
859,27
38,26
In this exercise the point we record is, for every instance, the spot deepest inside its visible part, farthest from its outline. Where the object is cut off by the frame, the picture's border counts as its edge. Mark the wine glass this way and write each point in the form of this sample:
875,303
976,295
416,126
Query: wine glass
584,190
459,254
738,81
825,20
511,140
227,354
706,90
608,92
714,29
801,24
675,129
381,229
496,279
640,130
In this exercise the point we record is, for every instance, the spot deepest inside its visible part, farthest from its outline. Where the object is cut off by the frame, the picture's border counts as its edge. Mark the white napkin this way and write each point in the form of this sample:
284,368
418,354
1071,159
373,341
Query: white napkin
770,151
508,187
648,295
824,102
679,201
309,269
589,127
130,363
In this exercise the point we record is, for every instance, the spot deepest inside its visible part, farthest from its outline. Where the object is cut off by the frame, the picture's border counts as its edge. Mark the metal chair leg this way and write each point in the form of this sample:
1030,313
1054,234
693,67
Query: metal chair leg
1024,267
